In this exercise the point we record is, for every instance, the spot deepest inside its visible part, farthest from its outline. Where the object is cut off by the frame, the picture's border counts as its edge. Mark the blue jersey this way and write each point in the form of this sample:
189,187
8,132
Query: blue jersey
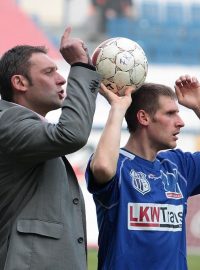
141,211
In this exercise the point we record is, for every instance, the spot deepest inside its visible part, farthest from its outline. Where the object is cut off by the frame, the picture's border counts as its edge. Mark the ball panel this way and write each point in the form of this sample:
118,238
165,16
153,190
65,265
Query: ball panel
110,51
106,68
126,44
110,85
96,55
138,74
125,61
121,79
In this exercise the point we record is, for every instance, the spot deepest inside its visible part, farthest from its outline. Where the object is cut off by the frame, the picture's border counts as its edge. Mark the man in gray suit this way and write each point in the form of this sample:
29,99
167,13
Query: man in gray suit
42,212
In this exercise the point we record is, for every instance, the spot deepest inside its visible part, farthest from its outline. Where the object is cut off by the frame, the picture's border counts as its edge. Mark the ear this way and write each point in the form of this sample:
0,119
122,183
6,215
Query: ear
19,83
143,117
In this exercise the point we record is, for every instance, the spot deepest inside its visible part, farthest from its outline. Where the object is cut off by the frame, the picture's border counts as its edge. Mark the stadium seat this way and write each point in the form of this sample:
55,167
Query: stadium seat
150,12
174,22
174,14
122,27
194,11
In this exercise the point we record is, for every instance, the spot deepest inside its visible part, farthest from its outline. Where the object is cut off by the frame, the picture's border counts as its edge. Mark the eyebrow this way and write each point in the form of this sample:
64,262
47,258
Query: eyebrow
50,67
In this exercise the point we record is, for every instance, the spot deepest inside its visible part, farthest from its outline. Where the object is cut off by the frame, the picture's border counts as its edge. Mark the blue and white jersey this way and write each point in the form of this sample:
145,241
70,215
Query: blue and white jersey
141,211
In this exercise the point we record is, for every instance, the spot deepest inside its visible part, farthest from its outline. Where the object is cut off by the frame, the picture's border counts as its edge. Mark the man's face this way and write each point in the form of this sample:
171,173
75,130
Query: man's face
45,93
165,125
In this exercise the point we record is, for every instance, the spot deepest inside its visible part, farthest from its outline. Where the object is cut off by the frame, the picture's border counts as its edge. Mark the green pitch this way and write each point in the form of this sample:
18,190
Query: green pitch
193,261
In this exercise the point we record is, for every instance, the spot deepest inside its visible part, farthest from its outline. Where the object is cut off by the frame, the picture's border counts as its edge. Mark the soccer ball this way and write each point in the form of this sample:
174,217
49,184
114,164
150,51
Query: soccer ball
121,62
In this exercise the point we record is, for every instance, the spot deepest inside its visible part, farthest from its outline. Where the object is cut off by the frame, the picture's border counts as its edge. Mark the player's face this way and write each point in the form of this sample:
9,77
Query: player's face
46,92
165,125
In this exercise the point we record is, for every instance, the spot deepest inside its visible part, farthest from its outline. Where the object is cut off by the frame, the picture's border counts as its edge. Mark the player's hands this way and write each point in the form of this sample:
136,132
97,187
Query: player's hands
114,100
73,50
188,92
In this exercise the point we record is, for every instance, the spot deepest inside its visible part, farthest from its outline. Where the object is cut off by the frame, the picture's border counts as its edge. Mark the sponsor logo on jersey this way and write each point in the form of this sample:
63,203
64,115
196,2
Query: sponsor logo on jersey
171,186
155,217
140,182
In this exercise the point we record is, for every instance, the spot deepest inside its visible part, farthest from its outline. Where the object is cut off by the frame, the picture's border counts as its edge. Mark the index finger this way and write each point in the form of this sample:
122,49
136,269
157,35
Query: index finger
66,34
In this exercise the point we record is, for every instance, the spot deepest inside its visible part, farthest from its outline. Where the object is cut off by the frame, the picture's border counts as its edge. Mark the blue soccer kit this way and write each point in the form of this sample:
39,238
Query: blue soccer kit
141,211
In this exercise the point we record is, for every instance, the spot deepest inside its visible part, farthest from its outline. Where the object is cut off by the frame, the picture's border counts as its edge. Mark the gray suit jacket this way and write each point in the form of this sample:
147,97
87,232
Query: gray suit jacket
38,186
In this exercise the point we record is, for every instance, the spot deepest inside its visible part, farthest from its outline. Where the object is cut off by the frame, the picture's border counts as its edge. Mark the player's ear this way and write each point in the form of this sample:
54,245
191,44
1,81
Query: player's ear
19,83
143,117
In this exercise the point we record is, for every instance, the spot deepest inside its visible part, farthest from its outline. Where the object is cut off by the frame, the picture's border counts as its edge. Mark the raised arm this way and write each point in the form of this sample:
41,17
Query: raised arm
104,161
41,140
188,92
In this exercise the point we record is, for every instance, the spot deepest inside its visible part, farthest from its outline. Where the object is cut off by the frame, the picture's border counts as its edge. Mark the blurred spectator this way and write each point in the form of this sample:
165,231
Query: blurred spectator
102,10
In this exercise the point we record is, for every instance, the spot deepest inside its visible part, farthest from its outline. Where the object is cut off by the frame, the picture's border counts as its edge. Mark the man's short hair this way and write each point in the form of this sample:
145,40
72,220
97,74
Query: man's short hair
147,99
16,62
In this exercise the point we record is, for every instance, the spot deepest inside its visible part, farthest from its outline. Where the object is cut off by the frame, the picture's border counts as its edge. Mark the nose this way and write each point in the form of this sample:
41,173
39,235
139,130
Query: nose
180,122
60,79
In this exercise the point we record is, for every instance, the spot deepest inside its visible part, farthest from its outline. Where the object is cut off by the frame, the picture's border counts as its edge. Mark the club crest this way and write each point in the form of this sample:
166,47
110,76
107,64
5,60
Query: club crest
140,182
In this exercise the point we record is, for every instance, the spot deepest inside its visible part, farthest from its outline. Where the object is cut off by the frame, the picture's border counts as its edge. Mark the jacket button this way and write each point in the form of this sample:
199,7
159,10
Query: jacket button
80,240
75,201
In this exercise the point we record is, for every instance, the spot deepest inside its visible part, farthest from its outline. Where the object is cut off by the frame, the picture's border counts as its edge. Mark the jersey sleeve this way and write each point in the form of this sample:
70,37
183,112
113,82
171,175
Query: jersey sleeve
106,194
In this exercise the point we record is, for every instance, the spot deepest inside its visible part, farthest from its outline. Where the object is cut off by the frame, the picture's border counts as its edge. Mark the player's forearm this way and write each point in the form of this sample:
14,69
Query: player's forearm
104,162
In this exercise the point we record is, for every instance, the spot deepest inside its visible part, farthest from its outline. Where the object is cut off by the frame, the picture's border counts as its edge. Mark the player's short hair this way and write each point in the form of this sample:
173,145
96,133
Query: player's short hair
146,98
16,62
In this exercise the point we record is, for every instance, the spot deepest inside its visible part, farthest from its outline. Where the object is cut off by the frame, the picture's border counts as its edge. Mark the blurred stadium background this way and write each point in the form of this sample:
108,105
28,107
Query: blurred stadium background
168,31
